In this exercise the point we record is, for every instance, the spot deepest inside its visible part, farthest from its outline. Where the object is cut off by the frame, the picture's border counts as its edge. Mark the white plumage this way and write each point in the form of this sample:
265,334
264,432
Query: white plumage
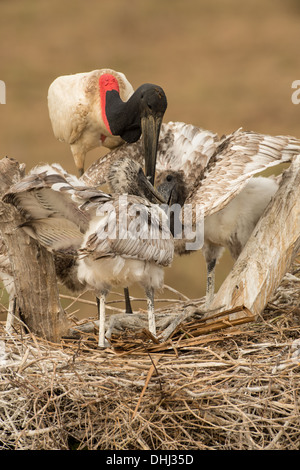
75,111
232,226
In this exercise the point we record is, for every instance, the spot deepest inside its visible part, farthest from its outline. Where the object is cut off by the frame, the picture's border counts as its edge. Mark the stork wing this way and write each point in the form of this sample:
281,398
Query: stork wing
181,147
49,192
68,107
184,147
132,228
239,156
57,234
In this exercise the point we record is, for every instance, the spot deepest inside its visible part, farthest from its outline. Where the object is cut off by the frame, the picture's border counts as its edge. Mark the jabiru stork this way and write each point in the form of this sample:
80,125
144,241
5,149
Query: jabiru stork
100,107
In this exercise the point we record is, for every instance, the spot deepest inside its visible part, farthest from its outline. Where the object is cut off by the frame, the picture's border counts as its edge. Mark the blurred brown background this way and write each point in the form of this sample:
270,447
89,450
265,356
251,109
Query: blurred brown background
222,63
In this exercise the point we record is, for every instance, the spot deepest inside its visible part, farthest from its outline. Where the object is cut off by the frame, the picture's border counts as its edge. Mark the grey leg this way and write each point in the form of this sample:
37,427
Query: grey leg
210,282
102,343
128,308
151,314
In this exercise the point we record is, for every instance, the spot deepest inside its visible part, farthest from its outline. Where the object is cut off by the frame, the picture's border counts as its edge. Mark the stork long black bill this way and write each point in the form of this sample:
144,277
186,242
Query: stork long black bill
150,134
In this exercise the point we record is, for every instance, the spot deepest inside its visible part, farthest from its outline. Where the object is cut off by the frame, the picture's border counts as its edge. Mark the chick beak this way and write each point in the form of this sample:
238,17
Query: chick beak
148,190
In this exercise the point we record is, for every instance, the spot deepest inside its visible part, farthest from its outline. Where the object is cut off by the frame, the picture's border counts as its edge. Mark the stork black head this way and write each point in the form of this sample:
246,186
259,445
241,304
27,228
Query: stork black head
142,115
171,185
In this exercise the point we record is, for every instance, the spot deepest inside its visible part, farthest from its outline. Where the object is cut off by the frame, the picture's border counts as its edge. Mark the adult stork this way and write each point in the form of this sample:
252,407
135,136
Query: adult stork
100,107
196,167
114,240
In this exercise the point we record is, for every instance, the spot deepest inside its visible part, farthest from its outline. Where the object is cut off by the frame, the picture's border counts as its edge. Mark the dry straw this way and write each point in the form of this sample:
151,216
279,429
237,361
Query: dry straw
218,385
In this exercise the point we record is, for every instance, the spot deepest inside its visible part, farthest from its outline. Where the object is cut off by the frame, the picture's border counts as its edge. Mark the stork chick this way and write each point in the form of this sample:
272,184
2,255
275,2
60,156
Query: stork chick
71,219
230,227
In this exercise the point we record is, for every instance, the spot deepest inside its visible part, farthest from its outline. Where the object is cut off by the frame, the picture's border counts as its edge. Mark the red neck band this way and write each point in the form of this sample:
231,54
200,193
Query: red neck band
107,82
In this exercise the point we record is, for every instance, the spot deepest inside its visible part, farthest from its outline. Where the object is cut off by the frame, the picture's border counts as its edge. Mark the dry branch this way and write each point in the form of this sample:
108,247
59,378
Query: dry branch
235,388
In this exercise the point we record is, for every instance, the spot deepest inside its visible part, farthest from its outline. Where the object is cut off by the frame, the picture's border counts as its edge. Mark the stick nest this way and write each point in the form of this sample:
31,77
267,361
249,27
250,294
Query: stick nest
216,386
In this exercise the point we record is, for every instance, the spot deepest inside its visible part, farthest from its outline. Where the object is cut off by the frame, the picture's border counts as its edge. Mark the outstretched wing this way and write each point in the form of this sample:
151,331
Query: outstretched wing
181,147
50,200
238,157
184,147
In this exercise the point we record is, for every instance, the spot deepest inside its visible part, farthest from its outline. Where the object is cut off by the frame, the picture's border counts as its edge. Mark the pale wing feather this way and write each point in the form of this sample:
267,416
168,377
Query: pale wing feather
55,234
184,147
240,156
48,191
181,147
106,241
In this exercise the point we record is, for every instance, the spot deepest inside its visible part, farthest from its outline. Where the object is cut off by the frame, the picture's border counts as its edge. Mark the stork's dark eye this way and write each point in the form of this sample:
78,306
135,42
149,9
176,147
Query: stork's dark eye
169,178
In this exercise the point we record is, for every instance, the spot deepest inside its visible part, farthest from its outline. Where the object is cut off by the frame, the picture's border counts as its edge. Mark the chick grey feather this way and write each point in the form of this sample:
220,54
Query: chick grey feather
71,220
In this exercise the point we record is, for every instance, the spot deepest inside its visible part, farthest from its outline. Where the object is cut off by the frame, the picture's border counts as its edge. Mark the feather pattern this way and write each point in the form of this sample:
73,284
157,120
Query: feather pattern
181,146
87,223
147,235
238,157
57,212
214,169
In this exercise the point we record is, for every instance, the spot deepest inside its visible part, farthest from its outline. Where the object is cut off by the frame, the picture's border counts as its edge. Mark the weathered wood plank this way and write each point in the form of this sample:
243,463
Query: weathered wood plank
33,267
269,251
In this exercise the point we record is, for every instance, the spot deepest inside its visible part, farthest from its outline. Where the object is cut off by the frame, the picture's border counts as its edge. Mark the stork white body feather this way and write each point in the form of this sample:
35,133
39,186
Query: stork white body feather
75,111
234,223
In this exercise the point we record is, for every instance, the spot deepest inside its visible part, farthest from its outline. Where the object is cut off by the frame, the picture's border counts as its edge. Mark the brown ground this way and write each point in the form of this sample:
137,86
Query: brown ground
222,64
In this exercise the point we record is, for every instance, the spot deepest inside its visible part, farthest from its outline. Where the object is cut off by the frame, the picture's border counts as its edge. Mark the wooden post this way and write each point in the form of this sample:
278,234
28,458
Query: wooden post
269,252
33,267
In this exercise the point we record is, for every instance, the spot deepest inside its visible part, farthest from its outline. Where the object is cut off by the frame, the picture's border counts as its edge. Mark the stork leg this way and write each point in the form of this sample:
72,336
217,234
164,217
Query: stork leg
212,253
128,308
102,343
151,314
210,282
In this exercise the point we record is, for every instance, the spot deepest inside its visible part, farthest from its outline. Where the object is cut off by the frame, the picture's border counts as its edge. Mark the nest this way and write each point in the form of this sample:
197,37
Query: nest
215,386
